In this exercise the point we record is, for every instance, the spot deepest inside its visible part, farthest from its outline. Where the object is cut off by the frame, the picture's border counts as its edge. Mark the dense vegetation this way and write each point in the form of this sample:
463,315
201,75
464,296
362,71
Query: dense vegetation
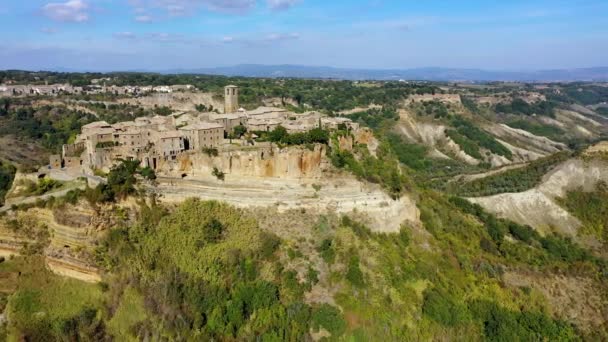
580,93
55,125
382,169
280,135
471,139
7,174
514,180
207,271
375,118
519,106
591,207
52,126
226,283
551,132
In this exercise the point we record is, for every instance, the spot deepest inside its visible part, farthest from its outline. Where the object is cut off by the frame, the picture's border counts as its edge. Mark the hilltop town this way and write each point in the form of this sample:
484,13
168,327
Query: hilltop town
160,139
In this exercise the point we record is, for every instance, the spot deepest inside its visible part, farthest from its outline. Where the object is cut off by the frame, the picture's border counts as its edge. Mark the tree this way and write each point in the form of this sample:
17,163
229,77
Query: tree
239,130
278,134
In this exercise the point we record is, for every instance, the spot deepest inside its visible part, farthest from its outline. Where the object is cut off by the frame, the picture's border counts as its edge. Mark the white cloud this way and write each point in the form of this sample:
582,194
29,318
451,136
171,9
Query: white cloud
70,11
279,5
273,37
186,7
125,35
143,18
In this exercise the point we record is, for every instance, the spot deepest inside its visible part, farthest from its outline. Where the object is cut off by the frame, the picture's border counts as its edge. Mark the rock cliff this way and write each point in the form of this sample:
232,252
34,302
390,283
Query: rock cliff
265,162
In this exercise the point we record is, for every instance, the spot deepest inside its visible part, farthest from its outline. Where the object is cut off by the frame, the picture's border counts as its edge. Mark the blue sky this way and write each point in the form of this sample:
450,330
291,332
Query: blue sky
167,34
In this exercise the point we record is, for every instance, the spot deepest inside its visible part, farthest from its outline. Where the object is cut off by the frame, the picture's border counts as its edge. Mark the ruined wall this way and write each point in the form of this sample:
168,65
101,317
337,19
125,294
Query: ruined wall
73,150
272,162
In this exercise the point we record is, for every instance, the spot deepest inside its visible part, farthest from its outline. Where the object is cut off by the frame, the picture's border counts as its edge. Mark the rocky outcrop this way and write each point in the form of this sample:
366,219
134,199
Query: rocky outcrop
335,194
65,237
265,162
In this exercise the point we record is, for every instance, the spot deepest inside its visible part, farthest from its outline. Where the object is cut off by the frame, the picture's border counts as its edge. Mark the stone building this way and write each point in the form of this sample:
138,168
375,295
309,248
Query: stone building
170,144
229,121
203,135
231,99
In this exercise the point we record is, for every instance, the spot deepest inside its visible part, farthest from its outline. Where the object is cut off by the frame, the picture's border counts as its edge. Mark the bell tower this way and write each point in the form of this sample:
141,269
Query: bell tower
231,99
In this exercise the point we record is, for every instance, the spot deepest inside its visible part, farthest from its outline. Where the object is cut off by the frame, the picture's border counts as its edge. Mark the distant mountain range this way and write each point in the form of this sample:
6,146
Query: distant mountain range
421,74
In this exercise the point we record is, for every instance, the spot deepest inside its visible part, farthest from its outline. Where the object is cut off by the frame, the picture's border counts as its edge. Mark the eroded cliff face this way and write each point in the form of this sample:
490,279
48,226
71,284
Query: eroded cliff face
65,236
538,207
264,162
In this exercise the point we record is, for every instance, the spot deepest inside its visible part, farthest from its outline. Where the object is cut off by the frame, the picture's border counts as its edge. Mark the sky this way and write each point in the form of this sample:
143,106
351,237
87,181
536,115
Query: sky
113,35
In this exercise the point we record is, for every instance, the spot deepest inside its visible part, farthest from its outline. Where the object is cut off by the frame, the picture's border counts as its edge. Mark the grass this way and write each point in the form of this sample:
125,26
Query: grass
130,312
45,300
591,208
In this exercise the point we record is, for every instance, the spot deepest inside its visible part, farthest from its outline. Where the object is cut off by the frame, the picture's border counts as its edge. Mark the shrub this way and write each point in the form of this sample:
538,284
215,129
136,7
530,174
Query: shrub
443,309
327,251
329,318
218,174
522,233
211,151
148,173
500,324
353,273
269,244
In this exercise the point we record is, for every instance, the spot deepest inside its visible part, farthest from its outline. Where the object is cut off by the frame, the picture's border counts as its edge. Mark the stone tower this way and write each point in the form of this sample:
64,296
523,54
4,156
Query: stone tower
231,98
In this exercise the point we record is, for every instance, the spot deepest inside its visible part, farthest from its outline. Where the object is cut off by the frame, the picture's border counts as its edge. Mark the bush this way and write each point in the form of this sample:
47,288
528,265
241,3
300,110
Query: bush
329,318
211,151
270,243
500,324
327,251
443,309
353,273
218,174
148,173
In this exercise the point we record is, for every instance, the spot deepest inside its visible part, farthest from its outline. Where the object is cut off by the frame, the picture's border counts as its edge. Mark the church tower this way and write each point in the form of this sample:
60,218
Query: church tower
231,98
